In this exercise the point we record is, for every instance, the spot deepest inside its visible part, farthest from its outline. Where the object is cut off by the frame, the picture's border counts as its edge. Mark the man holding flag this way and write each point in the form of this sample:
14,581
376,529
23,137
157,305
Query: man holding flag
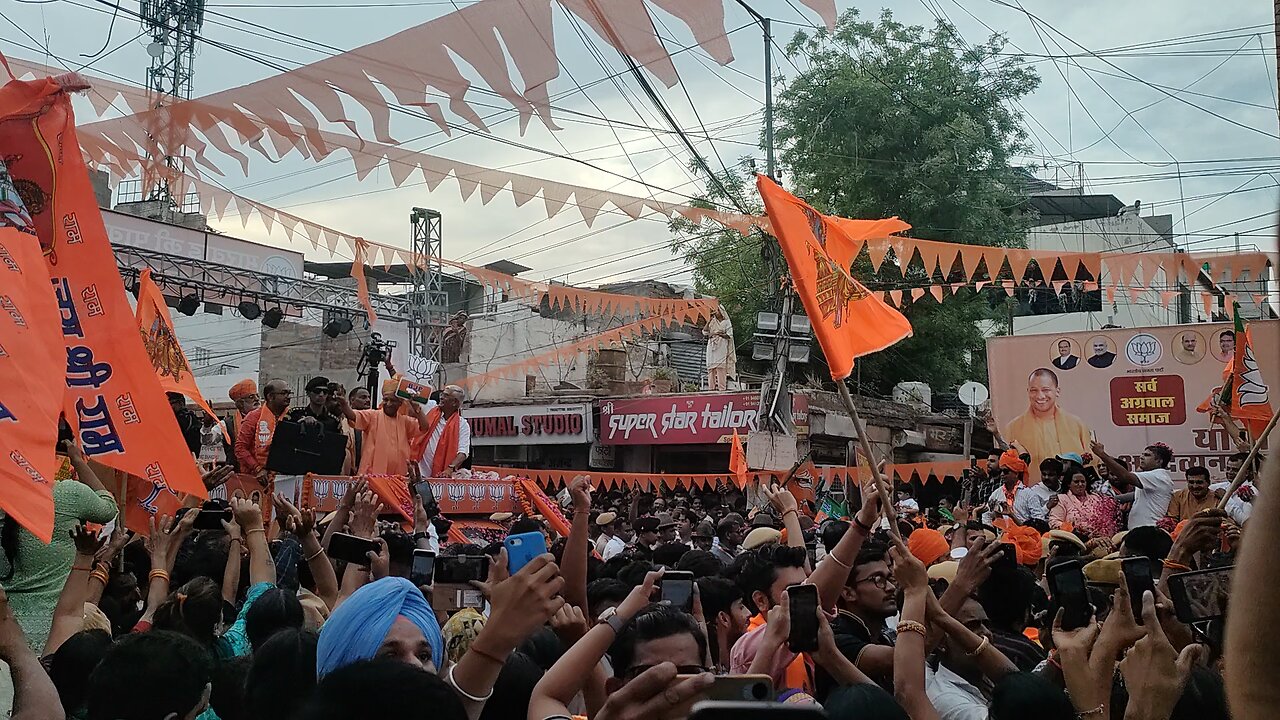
1244,396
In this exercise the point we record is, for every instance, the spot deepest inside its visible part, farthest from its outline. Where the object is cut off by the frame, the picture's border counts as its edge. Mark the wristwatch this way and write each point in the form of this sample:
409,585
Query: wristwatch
611,618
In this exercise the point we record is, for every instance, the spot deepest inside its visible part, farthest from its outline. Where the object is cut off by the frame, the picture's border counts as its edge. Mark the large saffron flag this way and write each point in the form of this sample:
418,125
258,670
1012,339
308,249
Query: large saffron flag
1244,395
31,377
161,342
848,321
112,398
738,461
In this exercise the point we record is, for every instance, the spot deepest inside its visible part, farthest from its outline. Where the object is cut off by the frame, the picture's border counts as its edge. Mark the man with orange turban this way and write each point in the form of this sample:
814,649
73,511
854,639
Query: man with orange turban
387,431
245,396
1012,498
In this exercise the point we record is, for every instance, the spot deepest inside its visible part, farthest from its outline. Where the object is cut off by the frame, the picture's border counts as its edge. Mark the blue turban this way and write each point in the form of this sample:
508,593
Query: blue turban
356,629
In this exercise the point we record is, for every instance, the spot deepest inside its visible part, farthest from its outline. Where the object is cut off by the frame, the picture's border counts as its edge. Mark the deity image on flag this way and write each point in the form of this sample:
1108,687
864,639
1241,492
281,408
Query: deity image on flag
163,349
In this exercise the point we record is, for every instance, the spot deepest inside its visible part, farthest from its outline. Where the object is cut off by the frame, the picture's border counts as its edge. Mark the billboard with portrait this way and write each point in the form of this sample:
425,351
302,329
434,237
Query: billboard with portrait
1128,387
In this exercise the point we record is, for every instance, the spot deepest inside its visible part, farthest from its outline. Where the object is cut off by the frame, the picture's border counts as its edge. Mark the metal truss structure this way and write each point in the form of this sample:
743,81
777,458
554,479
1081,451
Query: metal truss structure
429,303
227,285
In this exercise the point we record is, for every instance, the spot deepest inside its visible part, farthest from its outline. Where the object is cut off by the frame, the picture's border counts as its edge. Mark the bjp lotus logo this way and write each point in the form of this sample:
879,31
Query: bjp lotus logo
1143,350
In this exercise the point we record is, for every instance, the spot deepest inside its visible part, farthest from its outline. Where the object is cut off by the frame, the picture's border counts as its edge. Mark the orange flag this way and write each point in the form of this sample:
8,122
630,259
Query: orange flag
162,346
1244,394
31,363
738,461
112,398
140,500
848,321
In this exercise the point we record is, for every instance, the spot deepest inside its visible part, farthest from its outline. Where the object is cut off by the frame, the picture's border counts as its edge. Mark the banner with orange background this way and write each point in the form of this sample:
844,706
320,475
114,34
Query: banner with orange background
32,365
113,400
1129,388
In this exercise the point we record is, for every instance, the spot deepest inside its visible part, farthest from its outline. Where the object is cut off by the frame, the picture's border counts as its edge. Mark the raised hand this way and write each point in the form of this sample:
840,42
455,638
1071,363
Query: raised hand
908,572
379,562
216,476
364,515
120,537
1153,671
569,624
580,492
525,601
655,693
780,498
247,513
88,542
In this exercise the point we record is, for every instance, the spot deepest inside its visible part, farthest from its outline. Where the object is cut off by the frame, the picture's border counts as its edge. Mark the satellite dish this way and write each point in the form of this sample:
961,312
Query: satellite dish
973,394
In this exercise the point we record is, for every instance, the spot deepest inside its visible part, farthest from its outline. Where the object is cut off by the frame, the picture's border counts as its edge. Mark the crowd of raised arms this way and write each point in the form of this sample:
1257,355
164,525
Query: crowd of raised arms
1097,592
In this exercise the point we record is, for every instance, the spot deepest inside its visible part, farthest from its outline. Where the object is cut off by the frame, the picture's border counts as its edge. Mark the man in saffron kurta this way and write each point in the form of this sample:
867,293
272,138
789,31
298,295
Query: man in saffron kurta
446,440
387,432
253,440
1046,430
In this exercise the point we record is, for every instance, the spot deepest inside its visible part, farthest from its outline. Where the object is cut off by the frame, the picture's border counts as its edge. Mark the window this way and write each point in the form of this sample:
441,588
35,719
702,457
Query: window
199,357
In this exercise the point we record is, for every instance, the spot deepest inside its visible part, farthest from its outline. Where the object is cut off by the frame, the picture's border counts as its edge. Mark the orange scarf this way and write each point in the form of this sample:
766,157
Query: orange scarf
447,449
264,429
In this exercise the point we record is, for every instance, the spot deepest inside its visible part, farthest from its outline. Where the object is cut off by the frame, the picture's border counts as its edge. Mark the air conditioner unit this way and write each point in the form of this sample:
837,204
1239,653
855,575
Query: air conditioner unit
510,453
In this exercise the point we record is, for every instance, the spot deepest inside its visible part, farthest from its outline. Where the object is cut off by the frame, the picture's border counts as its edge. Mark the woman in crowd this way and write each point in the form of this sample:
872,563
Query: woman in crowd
1090,513
33,572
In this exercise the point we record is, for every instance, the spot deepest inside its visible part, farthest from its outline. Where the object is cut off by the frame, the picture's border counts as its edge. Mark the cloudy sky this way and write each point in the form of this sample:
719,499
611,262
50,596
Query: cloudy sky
1209,157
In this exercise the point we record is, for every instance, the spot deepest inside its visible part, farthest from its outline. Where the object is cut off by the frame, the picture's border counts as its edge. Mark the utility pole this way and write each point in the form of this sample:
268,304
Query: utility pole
767,27
774,388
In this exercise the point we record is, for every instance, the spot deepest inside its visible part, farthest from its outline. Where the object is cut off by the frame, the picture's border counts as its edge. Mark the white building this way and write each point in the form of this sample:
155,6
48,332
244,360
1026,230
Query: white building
1072,221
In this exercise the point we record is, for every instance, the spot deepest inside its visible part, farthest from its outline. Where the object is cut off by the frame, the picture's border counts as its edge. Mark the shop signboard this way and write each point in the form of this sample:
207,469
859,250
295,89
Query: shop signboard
678,419
530,424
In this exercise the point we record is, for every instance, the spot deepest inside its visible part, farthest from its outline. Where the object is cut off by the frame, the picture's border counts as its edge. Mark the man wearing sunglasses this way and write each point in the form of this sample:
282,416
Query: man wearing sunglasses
315,414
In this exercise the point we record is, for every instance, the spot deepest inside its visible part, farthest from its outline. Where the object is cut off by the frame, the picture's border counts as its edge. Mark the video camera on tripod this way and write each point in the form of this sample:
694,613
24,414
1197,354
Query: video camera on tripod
375,352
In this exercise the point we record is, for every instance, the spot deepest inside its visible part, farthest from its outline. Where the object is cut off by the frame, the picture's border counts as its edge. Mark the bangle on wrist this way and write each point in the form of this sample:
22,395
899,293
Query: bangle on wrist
449,677
158,573
250,531
865,528
982,646
838,561
912,626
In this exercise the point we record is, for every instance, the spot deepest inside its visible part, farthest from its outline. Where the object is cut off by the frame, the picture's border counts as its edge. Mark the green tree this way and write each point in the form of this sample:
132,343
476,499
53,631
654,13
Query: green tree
889,119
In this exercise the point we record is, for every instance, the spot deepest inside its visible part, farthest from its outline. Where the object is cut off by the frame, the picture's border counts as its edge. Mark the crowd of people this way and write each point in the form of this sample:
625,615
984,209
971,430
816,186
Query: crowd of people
945,609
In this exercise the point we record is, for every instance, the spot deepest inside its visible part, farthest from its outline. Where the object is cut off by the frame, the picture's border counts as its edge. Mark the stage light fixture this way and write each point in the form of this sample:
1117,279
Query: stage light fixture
331,329
249,310
189,304
271,318
344,325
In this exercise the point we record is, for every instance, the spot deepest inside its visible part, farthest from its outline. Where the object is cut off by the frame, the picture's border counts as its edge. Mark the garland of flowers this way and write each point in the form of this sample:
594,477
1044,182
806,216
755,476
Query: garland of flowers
524,495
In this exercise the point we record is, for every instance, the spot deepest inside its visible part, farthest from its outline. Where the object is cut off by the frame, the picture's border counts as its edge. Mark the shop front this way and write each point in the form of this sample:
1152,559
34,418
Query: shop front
675,433
545,436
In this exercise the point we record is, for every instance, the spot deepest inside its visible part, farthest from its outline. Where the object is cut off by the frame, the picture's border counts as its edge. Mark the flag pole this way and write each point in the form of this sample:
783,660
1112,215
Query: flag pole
874,462
1248,462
